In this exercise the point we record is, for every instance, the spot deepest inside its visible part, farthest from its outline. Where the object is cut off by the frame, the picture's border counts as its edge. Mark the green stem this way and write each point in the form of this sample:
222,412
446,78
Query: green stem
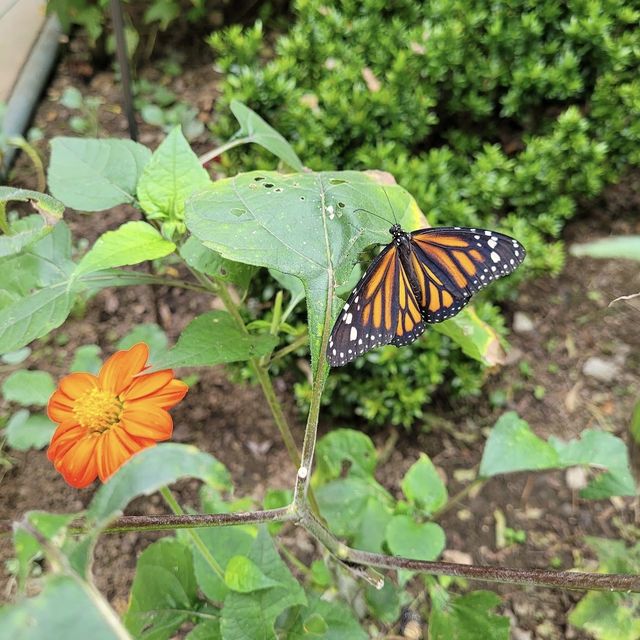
169,498
36,160
300,341
214,153
4,225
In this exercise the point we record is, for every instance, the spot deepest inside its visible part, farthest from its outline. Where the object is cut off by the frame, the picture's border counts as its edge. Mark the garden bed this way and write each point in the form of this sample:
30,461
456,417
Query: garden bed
543,381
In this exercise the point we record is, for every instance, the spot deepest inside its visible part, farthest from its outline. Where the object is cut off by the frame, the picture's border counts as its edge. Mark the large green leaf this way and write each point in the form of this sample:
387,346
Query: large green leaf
24,232
150,470
244,576
423,486
65,608
253,127
512,446
34,316
164,591
613,247
467,617
252,615
172,175
91,175
310,225
132,243
214,338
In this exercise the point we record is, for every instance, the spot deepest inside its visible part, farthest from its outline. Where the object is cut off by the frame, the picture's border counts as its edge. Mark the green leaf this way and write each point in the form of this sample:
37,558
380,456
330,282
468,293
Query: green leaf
423,486
25,431
340,446
344,502
16,357
369,530
172,175
323,620
151,334
252,126
34,316
477,339
49,525
292,284
252,615
24,232
92,175
418,541
223,543
87,358
150,470
28,388
612,247
164,591
384,603
634,427
207,630
512,446
50,207
308,225
132,243
199,257
603,451
244,576
65,608
608,616
468,617
214,338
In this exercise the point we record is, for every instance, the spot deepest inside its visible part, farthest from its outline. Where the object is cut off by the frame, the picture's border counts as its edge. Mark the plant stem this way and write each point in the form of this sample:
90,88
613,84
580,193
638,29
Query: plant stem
36,160
4,225
169,498
214,153
451,502
294,346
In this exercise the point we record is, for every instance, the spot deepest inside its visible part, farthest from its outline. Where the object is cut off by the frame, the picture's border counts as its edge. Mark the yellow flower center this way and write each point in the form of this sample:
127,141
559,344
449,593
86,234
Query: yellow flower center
98,410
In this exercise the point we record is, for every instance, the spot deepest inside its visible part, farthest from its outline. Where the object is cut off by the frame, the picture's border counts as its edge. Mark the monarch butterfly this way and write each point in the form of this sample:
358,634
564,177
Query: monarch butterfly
419,278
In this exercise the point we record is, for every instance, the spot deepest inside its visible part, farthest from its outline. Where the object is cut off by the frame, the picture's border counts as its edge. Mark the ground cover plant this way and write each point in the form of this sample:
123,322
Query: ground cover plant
207,580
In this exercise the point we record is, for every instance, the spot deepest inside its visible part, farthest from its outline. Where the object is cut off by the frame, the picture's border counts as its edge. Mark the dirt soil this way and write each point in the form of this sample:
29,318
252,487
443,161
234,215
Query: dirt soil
544,381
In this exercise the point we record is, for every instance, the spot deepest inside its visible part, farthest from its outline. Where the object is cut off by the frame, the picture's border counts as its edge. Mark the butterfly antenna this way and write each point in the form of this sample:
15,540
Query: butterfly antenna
372,213
390,206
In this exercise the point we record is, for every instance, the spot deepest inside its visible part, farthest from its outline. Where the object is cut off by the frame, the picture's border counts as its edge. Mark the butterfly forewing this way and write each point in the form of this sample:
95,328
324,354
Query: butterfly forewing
382,309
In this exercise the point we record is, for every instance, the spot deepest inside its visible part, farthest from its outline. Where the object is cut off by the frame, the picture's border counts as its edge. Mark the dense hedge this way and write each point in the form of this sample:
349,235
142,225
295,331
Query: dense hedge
502,114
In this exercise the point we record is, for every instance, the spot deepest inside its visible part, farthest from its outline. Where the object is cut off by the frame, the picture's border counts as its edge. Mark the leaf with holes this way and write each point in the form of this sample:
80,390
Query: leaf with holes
309,225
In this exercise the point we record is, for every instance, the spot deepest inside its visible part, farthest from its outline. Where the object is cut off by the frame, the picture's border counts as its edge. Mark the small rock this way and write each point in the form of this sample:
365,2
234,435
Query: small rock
600,369
520,634
522,323
459,557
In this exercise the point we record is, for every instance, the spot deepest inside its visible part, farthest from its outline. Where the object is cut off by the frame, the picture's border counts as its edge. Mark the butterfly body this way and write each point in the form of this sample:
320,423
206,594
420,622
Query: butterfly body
421,277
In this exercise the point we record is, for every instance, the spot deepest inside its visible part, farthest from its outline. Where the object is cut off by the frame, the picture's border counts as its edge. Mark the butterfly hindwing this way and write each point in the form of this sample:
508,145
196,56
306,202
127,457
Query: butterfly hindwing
382,309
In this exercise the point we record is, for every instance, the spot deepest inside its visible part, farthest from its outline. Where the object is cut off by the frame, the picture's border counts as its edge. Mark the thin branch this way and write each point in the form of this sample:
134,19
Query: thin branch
214,153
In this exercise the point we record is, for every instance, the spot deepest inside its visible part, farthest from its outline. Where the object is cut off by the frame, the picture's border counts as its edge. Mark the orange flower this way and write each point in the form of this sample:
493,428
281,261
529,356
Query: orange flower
104,420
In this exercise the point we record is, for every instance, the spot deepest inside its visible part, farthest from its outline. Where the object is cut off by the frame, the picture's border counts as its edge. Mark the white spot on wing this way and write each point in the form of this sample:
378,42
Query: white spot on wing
494,256
353,334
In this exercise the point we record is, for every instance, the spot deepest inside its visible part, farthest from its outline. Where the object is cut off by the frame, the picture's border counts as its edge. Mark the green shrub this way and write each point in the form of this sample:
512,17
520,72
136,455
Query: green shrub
503,115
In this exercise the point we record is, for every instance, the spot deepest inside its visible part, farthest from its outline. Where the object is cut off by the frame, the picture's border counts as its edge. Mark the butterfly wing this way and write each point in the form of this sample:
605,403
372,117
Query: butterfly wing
382,309
452,263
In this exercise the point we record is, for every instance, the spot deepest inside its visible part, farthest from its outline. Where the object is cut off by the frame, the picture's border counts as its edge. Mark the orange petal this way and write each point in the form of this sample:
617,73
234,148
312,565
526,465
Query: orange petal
133,445
60,407
168,396
64,437
145,420
78,466
148,384
110,455
118,371
77,384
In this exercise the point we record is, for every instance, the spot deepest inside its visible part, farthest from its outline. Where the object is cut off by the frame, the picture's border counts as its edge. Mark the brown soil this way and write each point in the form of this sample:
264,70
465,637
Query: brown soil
572,322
